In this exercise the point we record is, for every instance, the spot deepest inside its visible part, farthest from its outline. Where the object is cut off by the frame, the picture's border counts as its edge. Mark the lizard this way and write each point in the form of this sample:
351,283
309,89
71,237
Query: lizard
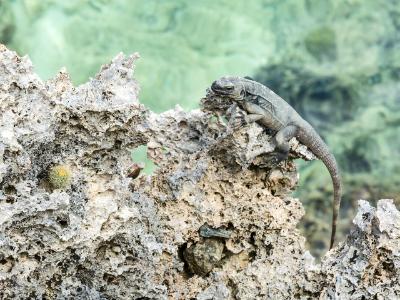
266,108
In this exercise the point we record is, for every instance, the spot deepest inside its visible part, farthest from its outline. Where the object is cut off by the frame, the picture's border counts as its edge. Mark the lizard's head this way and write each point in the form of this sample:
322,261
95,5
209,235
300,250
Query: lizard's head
230,86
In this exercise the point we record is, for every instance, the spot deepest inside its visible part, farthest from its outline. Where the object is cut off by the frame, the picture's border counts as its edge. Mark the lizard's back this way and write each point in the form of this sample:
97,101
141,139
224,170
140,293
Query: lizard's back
273,103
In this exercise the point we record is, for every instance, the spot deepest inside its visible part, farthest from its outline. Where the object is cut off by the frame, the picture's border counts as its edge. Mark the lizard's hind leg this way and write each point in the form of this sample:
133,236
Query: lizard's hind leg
282,146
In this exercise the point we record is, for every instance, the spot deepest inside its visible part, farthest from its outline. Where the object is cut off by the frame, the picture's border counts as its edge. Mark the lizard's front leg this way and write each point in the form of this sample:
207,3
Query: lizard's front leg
239,118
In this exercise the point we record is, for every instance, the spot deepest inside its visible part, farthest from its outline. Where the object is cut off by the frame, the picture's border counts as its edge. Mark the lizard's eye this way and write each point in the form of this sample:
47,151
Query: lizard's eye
243,93
229,87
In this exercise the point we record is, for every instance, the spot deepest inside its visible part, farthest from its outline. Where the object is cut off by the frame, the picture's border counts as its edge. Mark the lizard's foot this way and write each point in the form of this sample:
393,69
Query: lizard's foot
238,120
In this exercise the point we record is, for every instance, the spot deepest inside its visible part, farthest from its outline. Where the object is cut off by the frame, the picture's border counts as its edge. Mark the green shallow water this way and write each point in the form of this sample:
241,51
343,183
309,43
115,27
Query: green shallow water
337,62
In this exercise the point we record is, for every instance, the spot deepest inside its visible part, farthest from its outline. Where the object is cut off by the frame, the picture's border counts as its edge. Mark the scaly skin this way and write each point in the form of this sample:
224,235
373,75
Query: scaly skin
268,109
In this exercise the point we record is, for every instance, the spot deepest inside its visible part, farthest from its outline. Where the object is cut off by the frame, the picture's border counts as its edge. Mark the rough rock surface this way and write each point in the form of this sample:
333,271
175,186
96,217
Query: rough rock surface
109,236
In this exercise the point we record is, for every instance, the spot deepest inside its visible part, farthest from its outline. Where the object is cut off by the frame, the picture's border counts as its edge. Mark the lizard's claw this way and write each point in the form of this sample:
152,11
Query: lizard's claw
237,117
238,120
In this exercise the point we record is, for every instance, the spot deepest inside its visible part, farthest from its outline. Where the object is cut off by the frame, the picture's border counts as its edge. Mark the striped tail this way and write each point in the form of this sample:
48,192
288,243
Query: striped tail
309,137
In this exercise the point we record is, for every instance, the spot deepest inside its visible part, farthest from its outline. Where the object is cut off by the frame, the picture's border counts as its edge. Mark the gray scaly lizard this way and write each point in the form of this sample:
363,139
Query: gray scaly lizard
268,109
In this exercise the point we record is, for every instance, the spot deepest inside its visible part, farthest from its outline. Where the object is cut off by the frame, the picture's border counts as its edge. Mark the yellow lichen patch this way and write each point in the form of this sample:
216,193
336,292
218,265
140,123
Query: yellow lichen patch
59,176
62,172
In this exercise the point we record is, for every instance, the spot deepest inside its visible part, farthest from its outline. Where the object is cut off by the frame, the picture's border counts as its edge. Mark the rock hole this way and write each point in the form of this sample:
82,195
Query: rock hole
10,200
354,257
109,278
117,144
10,190
269,249
253,238
388,266
183,124
139,155
252,255
62,222
365,216
130,260
75,256
181,251
38,257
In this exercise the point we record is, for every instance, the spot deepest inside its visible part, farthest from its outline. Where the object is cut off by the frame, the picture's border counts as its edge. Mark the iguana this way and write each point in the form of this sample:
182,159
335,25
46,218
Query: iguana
265,107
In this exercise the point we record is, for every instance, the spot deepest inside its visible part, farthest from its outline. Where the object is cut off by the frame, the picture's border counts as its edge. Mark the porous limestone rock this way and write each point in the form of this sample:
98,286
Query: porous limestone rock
366,265
107,235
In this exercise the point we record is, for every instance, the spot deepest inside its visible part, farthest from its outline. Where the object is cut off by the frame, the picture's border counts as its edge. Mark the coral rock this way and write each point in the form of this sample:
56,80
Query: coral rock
109,236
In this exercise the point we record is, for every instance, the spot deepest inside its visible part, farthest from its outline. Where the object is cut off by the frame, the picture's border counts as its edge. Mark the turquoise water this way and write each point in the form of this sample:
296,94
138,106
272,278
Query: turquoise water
183,44
337,62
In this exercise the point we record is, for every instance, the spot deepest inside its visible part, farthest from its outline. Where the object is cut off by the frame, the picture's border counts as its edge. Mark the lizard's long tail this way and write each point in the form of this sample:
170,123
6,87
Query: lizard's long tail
313,141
